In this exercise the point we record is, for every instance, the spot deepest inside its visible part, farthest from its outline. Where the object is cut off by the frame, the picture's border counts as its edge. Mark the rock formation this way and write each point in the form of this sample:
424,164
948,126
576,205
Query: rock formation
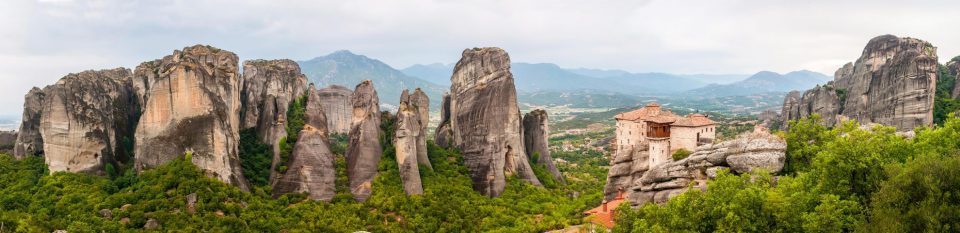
757,150
485,120
790,109
364,150
336,103
953,68
193,105
7,141
29,141
892,83
536,133
444,133
407,142
269,87
311,167
421,102
311,164
627,165
84,118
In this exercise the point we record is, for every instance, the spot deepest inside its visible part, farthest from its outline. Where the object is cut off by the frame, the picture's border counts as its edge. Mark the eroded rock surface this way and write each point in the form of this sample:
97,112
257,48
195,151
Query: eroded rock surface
269,87
84,119
536,133
892,83
364,150
757,150
336,103
444,133
29,141
406,140
311,167
420,101
485,120
193,104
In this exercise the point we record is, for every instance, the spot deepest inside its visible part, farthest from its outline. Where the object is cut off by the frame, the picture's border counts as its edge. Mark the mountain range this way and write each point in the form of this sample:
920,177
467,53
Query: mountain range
764,82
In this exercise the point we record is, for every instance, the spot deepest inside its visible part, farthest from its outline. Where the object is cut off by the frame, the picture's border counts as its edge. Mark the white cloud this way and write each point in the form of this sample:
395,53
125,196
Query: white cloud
42,40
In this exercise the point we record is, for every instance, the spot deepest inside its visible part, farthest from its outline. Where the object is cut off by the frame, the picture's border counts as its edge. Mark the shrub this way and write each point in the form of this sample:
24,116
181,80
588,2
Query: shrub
681,154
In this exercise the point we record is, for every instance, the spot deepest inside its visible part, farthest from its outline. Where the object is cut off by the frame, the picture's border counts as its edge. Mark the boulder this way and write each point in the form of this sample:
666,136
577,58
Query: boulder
335,101
406,141
892,83
421,102
485,120
86,121
193,105
536,133
364,150
29,141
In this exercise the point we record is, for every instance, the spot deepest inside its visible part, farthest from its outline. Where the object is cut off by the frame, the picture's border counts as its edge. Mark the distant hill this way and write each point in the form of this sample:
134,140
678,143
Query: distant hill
576,99
437,73
704,78
348,69
764,82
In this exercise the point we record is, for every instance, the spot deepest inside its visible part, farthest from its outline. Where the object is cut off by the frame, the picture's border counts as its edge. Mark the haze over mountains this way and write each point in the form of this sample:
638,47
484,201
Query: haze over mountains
550,84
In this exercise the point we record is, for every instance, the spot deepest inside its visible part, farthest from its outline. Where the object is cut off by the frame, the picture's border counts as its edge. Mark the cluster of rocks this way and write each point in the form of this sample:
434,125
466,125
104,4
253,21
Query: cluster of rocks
892,83
642,184
196,101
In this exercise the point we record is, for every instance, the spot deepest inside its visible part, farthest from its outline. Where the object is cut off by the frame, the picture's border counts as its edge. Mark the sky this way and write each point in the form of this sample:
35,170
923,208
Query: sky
43,40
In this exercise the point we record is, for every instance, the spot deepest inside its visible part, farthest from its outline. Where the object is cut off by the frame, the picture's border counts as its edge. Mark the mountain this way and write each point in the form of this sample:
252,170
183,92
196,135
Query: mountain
348,69
705,78
653,83
437,73
764,81
576,99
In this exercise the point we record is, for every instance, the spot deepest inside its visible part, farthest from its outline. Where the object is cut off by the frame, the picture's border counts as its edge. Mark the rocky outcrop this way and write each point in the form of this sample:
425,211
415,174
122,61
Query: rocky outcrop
953,68
757,150
536,132
421,102
627,165
193,105
892,83
29,141
84,118
485,120
269,87
790,109
407,142
311,167
336,103
444,133
364,151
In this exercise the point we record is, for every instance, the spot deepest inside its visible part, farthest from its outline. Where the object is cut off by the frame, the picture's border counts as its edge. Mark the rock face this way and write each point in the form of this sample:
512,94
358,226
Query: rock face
953,67
311,166
892,83
627,165
536,132
336,103
364,151
790,109
421,102
407,142
84,118
268,89
29,141
444,133
193,104
750,151
485,120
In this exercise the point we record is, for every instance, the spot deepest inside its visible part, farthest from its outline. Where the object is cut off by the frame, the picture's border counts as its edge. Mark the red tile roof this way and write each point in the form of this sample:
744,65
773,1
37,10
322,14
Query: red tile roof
694,120
653,113
604,214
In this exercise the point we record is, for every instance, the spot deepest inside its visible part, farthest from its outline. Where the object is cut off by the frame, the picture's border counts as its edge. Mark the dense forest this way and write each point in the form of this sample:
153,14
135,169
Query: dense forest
842,179
31,200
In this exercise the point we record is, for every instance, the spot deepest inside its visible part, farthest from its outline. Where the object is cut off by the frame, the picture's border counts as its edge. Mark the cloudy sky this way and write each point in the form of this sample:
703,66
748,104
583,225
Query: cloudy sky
42,40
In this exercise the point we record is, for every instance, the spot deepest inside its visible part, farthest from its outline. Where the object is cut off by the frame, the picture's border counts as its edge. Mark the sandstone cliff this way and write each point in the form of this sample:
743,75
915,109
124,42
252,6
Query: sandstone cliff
485,120
269,86
336,103
84,118
421,102
364,150
29,141
193,105
757,150
444,133
406,140
892,83
536,133
953,68
311,167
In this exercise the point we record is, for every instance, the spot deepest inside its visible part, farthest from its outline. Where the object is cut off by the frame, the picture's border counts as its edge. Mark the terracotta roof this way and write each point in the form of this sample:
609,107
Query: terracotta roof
663,118
605,218
651,113
694,120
